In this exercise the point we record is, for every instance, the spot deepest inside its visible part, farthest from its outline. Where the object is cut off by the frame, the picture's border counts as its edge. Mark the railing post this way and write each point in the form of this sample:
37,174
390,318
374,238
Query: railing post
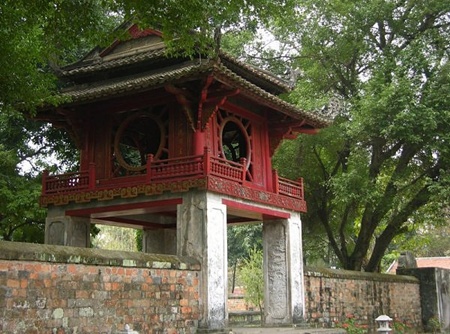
276,182
44,181
206,161
302,189
91,175
243,162
149,168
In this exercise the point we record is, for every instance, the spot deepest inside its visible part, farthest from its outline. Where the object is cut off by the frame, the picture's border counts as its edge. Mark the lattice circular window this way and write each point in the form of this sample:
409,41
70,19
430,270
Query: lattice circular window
234,143
139,135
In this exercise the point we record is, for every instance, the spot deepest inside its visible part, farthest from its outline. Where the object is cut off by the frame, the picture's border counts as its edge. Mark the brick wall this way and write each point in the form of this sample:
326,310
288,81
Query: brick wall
54,289
334,296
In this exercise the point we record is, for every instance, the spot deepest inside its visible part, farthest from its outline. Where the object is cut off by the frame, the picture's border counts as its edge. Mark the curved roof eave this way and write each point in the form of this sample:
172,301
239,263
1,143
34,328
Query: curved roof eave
190,70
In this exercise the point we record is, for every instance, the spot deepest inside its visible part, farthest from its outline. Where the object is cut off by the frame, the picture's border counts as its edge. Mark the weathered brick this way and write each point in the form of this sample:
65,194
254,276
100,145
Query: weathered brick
76,296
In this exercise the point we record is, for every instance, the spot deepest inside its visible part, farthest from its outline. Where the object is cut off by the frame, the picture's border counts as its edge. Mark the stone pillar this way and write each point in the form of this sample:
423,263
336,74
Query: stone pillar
68,231
202,234
283,271
434,296
160,241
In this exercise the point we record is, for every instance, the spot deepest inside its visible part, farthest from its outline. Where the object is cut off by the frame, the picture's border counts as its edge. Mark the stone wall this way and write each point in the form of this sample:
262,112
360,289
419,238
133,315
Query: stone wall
59,289
55,289
336,296
435,296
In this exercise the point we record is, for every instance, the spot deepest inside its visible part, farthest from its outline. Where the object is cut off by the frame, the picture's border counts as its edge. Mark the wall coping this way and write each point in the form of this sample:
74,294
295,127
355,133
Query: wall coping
19,251
357,275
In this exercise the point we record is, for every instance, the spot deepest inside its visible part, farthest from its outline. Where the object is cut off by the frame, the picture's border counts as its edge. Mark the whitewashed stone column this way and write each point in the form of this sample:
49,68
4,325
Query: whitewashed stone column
295,259
160,241
202,234
67,231
283,271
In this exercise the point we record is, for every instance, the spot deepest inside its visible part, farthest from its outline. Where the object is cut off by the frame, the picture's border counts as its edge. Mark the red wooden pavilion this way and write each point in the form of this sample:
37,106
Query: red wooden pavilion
162,136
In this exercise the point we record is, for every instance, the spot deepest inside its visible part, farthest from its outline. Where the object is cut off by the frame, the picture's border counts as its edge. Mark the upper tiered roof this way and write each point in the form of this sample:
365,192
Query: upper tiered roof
141,63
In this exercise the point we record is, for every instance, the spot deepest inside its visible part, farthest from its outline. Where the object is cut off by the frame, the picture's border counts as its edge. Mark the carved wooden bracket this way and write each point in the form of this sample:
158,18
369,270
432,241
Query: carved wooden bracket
186,101
214,101
287,129
73,124
210,99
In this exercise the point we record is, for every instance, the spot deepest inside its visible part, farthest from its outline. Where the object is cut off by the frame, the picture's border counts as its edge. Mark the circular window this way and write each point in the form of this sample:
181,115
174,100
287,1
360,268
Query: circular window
138,136
234,140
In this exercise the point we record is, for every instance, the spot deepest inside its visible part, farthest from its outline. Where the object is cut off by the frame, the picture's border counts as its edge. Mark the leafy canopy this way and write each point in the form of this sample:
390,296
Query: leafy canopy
385,162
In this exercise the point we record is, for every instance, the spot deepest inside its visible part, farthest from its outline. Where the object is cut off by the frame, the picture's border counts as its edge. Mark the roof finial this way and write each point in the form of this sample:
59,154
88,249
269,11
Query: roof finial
217,38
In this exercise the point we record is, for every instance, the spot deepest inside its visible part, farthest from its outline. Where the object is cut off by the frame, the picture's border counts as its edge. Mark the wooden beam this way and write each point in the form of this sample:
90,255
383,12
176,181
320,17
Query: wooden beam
104,211
145,224
265,212
186,100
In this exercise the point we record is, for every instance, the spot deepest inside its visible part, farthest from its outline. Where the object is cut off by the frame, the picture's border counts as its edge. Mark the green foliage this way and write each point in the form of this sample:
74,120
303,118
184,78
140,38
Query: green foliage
351,326
242,240
115,238
21,219
251,274
379,172
401,327
434,325
139,236
37,36
382,168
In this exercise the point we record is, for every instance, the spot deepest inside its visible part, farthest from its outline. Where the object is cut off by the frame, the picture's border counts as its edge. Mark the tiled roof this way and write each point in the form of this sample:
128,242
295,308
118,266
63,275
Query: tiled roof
139,64
185,71
237,65
137,82
100,65
426,262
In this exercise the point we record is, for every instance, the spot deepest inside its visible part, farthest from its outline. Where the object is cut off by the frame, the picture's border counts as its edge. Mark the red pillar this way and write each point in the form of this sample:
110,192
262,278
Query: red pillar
276,183
199,142
92,180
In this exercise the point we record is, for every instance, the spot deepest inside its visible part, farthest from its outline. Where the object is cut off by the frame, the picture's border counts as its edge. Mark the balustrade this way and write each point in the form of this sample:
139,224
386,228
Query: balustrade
168,170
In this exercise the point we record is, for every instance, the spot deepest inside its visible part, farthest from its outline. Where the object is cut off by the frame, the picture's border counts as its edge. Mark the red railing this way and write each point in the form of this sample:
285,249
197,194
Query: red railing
290,188
177,168
190,167
227,169
287,187
68,182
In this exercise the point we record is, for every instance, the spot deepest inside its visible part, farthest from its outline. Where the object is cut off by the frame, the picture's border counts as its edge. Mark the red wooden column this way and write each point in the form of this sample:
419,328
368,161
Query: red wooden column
92,180
199,142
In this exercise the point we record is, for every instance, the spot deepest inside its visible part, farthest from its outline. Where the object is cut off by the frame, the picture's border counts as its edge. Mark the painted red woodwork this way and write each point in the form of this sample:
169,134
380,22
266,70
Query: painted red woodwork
176,175
147,124
266,213
111,210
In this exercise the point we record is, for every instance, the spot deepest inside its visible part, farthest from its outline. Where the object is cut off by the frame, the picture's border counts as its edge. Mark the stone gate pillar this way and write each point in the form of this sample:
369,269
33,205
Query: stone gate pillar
202,234
159,241
67,231
283,271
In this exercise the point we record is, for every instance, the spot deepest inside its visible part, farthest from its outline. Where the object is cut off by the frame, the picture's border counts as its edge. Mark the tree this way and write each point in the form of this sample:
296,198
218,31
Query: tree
384,164
117,238
242,241
21,218
36,38
253,278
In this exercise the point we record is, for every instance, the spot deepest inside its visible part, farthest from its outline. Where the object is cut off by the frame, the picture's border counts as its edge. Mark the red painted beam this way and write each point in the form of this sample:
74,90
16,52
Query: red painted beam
123,207
266,213
146,224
